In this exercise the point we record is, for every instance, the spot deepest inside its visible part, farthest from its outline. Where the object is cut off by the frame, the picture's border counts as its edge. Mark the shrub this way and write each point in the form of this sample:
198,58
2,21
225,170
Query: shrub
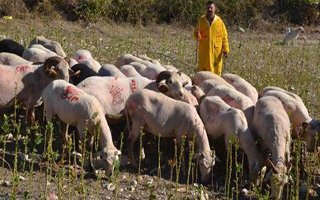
15,8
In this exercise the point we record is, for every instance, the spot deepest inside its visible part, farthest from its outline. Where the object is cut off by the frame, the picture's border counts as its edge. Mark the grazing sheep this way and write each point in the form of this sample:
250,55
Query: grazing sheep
272,125
82,71
12,59
201,76
221,120
233,98
110,70
49,44
129,70
147,58
208,84
166,117
11,46
292,35
84,56
126,59
113,92
25,83
73,106
145,67
37,54
241,85
298,114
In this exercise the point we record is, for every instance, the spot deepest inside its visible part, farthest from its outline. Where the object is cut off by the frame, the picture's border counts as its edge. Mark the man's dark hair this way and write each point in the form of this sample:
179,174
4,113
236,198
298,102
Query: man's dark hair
209,2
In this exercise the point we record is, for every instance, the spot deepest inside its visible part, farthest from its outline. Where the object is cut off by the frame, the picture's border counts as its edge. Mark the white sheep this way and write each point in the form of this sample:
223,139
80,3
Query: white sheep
37,54
49,44
12,59
232,97
25,83
221,120
298,114
113,92
241,85
129,70
201,76
166,117
73,106
272,125
84,56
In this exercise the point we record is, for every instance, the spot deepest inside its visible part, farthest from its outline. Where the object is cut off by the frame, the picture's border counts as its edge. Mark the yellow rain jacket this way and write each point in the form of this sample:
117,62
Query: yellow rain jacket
213,41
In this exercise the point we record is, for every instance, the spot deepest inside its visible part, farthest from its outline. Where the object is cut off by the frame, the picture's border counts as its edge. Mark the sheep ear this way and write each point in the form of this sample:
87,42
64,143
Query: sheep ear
74,73
163,87
185,83
71,72
51,71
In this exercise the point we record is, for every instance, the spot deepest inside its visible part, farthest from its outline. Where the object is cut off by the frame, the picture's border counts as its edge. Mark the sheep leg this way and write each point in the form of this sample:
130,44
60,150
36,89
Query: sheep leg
91,166
64,131
81,131
30,118
180,155
133,136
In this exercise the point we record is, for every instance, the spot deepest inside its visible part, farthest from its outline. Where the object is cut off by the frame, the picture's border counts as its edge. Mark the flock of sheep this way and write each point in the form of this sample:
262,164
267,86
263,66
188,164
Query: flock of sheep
158,98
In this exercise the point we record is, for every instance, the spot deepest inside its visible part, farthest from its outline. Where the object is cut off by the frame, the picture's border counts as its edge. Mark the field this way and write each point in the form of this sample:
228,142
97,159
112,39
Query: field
256,56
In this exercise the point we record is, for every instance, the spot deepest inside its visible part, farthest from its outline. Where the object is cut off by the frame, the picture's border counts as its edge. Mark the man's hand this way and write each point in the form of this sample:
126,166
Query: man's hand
198,35
225,54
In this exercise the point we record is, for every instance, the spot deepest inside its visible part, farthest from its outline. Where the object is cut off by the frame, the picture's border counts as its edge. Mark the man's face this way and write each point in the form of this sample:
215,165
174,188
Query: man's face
211,10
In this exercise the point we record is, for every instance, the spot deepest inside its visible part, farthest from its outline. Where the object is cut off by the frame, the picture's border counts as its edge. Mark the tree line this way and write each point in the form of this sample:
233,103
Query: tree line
245,13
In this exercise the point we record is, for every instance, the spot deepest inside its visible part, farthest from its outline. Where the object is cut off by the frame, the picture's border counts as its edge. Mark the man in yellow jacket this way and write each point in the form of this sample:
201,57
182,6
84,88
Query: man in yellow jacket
212,37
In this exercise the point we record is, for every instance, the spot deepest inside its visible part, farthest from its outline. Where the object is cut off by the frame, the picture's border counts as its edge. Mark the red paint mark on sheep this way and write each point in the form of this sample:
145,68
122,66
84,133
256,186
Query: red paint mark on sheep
227,99
71,94
116,93
133,85
22,68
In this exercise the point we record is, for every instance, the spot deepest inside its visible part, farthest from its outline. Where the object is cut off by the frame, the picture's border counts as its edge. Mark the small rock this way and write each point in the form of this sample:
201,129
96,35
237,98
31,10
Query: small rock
104,184
140,178
111,187
132,189
134,183
150,181
244,191
240,29
6,183
182,190
21,178
10,136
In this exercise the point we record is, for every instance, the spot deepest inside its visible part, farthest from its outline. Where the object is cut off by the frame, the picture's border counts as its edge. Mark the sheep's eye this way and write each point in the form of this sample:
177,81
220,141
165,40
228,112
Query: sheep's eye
170,81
